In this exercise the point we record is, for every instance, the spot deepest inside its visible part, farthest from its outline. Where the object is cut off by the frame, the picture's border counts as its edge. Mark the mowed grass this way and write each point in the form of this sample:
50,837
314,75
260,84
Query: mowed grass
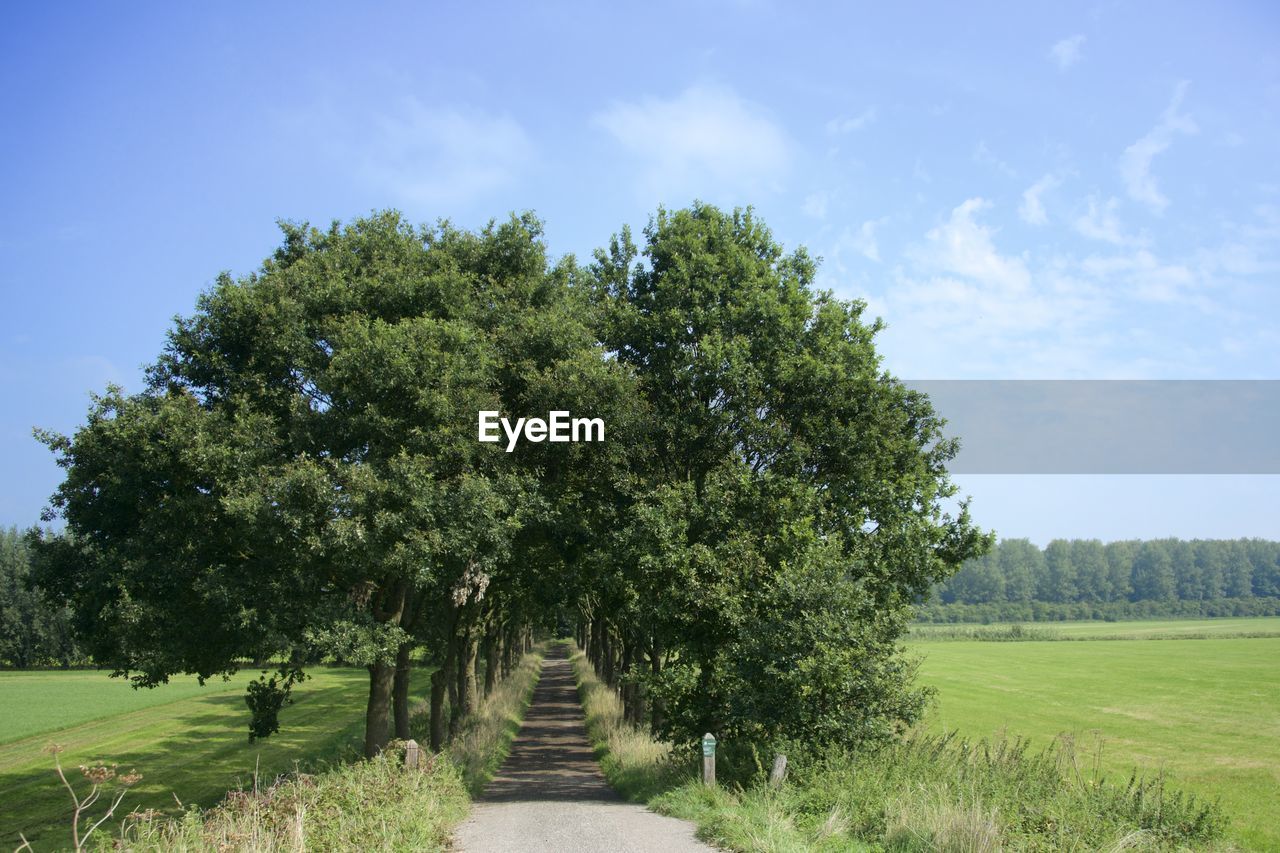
186,741
1206,710
1169,629
1227,627
44,701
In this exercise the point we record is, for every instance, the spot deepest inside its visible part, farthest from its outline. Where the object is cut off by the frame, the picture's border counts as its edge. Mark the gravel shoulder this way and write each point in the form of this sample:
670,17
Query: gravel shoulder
549,794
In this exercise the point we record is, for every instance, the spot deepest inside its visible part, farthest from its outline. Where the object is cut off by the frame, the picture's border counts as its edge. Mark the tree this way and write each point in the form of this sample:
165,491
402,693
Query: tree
978,581
1237,571
1060,580
781,460
1089,561
303,464
1022,565
32,633
1153,578
1120,556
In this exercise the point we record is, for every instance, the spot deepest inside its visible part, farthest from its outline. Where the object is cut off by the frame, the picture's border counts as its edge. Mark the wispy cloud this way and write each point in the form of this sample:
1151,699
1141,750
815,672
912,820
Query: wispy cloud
1066,52
1135,164
1032,210
444,155
844,125
1149,279
960,306
963,246
707,136
815,205
862,240
1102,222
984,155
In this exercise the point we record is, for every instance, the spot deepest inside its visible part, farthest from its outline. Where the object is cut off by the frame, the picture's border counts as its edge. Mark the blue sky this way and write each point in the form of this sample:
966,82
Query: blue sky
1020,190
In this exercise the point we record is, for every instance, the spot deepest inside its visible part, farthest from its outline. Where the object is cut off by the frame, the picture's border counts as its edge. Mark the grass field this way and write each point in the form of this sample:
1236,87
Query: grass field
1166,629
186,740
1205,710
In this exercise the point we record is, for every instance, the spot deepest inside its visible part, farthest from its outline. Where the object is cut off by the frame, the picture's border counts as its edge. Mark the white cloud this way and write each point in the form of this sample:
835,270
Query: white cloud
1100,222
1147,278
848,125
443,155
1135,163
706,135
959,306
815,205
1066,53
1031,210
982,154
963,246
863,239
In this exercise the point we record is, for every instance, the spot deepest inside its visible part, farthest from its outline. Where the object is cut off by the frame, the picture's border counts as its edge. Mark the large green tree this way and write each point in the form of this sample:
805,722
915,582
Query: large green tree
303,464
789,496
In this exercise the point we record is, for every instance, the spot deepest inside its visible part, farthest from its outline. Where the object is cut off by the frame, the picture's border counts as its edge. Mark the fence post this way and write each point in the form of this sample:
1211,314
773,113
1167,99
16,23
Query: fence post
709,760
779,771
412,754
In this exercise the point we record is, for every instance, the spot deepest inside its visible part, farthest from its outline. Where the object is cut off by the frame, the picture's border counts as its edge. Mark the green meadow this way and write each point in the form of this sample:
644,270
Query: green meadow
1205,710
189,742
1153,629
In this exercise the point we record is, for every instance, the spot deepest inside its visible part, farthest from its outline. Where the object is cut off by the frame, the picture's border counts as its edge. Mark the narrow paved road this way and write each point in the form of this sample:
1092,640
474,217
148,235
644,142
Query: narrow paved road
549,794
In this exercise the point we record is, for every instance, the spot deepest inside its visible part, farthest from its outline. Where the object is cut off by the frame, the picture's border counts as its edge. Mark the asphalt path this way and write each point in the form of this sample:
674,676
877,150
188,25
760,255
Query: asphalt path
549,794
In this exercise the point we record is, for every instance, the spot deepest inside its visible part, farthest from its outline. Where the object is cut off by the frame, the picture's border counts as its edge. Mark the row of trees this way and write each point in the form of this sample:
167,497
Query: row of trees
31,632
1087,571
302,476
1107,611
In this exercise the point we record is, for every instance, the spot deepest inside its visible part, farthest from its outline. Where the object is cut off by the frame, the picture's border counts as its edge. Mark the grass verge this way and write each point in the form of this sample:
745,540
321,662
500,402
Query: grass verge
920,794
343,804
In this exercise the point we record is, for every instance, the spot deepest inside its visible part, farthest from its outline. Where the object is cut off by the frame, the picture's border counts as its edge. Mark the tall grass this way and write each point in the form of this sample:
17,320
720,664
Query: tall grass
371,805
921,793
637,766
484,740
374,804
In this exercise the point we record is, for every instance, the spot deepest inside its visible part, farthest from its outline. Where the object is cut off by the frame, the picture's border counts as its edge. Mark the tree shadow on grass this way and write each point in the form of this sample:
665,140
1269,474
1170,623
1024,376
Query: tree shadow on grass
199,753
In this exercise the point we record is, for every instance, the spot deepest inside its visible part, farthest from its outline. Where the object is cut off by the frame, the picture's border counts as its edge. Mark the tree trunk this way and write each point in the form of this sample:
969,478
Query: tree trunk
468,651
628,683
509,653
377,715
449,674
493,661
439,725
400,691
655,663
609,675
597,656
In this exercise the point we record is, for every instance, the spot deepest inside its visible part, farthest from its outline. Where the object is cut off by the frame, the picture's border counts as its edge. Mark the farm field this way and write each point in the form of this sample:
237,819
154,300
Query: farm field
1205,710
186,741
1133,630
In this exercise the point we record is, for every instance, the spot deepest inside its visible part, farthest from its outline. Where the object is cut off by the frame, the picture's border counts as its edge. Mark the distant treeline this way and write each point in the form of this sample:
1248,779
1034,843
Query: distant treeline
32,634
1085,579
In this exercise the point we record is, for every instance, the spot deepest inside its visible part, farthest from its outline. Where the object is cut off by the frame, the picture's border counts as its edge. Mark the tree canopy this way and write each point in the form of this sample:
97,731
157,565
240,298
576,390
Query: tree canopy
301,475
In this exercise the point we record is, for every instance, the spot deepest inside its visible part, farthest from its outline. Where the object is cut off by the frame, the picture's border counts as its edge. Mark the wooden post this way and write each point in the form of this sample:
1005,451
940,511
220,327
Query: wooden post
412,754
709,760
779,771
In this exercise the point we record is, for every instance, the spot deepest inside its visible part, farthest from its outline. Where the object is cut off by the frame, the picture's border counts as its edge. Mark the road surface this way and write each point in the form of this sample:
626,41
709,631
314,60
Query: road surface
550,796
